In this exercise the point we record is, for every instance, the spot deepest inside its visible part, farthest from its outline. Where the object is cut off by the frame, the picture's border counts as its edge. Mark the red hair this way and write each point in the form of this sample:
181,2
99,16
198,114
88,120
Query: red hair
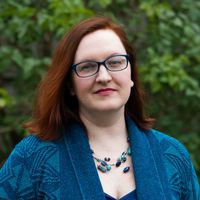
55,107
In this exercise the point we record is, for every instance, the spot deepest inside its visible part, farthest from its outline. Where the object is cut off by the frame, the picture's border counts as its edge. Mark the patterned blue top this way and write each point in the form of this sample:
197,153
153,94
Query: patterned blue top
64,168
129,196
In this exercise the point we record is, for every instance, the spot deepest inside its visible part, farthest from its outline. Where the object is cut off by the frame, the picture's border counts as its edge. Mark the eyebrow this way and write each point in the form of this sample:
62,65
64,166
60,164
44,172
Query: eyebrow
94,60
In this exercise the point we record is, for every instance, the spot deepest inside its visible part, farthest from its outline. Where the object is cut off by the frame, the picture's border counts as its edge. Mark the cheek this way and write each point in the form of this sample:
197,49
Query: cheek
126,78
81,87
129,71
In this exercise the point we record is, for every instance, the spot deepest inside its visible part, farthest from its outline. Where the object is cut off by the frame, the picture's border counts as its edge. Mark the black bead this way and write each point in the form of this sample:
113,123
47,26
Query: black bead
118,163
126,169
107,159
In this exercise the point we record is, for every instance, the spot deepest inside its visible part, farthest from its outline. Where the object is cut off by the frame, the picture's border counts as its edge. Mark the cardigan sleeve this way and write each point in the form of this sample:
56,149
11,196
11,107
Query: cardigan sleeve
15,181
193,191
183,178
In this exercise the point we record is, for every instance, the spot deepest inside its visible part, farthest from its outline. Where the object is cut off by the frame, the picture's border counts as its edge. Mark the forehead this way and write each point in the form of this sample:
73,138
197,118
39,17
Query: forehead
99,45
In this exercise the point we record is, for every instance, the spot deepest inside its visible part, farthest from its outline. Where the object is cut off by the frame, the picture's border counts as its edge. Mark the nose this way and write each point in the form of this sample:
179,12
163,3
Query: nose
103,75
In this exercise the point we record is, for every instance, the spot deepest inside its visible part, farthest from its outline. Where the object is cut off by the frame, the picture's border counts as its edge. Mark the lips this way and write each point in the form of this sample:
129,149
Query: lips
105,91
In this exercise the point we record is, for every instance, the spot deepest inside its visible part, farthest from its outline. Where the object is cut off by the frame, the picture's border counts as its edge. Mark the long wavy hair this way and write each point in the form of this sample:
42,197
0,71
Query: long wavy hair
55,107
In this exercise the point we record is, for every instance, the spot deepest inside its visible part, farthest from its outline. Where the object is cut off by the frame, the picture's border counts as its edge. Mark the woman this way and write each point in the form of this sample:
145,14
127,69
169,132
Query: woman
91,139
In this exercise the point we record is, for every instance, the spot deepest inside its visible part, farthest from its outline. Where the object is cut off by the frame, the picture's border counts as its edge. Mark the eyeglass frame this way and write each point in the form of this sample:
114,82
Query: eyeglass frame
99,63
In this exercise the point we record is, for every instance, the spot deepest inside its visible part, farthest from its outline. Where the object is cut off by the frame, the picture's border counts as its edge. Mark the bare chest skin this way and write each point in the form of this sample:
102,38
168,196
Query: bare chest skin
116,183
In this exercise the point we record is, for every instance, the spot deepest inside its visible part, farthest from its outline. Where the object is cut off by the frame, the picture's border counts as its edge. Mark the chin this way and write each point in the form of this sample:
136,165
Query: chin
110,108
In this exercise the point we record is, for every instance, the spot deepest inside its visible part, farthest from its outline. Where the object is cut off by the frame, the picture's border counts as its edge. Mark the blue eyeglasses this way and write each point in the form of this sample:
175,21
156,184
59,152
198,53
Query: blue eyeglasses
114,63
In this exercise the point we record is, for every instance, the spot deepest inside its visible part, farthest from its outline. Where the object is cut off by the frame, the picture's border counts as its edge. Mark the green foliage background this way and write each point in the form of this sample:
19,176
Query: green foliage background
166,35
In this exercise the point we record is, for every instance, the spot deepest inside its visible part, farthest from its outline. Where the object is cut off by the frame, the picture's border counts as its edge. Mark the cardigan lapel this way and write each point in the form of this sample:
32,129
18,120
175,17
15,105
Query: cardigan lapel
148,182
83,164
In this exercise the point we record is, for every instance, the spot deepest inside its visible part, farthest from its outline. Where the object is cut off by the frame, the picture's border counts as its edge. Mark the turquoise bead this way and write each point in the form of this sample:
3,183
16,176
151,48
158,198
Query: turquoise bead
108,167
129,151
123,158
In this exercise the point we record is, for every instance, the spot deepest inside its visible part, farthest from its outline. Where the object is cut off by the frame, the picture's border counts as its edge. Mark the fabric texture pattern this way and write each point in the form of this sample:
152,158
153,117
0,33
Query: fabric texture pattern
64,168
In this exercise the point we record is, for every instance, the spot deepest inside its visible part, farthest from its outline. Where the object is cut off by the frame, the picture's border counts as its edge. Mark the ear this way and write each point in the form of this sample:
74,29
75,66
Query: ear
132,83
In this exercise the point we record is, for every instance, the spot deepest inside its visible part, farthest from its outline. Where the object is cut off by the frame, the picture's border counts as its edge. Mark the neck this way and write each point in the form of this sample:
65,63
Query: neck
106,131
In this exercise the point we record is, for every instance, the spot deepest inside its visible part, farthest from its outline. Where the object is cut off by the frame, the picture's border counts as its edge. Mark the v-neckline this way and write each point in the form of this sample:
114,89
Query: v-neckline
123,197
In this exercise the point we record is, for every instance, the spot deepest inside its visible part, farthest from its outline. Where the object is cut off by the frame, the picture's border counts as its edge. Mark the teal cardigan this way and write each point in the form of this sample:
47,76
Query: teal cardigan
64,168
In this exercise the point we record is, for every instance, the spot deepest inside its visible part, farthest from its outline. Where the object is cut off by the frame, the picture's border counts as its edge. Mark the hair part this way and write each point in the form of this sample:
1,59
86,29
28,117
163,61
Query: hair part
56,107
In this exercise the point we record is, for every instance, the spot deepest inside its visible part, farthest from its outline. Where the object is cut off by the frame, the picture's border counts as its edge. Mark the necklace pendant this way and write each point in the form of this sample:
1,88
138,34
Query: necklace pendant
104,165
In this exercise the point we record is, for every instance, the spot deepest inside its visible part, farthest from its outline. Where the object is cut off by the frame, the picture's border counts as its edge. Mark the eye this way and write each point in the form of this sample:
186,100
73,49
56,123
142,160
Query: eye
115,61
87,66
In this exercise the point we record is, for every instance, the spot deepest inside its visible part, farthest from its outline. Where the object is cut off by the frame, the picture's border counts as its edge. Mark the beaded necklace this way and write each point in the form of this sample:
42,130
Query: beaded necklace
105,165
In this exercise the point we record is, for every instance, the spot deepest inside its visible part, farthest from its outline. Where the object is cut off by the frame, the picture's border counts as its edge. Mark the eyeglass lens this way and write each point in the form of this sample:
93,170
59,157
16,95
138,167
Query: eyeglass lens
89,68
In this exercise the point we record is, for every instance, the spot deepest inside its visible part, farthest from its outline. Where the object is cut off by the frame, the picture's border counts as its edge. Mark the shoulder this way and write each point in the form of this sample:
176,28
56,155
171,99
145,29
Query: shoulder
172,152
178,164
167,144
33,153
32,144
